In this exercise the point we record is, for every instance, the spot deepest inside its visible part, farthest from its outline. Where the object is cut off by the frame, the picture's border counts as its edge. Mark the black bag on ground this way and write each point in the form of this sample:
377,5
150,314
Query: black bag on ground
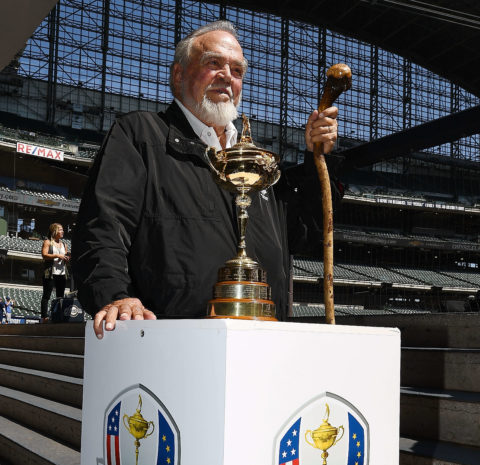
66,310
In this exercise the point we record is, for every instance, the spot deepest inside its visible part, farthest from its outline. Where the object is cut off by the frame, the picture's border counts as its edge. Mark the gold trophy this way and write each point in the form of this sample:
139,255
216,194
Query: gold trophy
138,427
242,290
325,436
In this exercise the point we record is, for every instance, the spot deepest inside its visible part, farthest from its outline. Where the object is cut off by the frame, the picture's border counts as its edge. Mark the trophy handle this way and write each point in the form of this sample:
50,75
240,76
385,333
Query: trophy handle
306,438
277,177
126,424
150,423
341,436
211,155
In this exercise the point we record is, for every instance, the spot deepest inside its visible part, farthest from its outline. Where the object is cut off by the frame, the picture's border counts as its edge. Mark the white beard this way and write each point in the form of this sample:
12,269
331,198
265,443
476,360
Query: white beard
215,114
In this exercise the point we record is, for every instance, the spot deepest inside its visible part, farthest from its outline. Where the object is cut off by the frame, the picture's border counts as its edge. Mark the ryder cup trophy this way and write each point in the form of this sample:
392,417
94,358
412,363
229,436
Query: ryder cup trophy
138,427
242,290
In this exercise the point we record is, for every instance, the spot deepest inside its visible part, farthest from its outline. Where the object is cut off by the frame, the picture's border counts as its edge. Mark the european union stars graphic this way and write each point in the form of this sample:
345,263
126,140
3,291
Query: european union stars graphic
356,444
166,442
288,454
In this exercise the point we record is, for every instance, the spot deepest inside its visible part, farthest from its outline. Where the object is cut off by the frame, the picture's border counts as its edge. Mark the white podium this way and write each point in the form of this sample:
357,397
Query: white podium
235,392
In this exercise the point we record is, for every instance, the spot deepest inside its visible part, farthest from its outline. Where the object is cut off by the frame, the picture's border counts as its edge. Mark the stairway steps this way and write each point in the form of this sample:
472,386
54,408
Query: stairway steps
20,445
60,388
443,415
58,421
64,364
57,344
441,368
425,452
52,329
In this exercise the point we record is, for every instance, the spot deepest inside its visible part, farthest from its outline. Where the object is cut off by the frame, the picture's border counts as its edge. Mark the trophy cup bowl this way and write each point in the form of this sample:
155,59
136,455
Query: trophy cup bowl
325,436
244,169
137,425
242,290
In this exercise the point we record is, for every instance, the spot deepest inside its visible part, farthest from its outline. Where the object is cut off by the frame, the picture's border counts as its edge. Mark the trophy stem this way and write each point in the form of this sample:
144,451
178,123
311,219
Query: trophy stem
324,457
242,291
243,201
137,445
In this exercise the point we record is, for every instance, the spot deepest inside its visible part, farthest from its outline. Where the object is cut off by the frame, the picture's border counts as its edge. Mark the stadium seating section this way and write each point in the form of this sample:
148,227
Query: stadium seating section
311,270
27,301
10,135
371,191
412,237
23,245
42,195
318,310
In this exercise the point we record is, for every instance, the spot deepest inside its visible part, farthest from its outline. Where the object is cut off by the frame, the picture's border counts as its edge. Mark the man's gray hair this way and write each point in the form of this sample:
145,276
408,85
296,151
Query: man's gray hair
182,50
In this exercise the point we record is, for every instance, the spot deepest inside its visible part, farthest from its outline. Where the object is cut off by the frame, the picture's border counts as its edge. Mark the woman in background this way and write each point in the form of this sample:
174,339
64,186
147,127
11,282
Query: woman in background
55,256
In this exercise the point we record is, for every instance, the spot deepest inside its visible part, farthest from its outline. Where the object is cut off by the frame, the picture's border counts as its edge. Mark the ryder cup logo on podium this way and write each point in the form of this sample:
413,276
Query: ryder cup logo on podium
328,431
139,429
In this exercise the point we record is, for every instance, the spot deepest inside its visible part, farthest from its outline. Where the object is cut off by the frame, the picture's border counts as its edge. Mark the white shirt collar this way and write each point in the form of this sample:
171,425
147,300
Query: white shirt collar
206,133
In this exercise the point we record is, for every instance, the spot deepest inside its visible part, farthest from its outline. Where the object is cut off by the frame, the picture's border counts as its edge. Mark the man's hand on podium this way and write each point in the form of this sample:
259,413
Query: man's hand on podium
123,309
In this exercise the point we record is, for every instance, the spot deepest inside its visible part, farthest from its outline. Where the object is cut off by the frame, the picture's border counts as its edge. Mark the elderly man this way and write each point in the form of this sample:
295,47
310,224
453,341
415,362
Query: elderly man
153,227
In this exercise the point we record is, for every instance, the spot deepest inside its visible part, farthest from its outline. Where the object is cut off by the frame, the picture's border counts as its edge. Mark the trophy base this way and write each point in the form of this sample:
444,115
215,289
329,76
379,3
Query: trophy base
242,292
245,309
230,317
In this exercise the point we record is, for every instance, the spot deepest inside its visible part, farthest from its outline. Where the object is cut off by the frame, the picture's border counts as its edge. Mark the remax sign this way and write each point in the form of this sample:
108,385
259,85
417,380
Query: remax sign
37,151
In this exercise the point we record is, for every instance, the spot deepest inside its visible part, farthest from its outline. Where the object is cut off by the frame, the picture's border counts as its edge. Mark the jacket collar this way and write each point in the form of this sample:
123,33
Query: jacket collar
181,137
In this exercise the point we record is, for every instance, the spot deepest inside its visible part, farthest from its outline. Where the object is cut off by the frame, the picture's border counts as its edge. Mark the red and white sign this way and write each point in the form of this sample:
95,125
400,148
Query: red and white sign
37,151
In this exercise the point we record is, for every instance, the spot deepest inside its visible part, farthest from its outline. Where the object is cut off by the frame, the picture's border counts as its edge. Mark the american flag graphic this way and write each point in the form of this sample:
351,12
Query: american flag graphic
112,435
288,452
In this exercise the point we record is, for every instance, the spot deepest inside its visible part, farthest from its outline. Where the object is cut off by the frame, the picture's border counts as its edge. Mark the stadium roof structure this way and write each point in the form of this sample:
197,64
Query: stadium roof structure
18,21
440,35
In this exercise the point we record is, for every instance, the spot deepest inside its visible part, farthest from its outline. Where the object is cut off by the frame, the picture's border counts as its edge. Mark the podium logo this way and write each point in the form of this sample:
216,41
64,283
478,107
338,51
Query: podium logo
328,430
138,429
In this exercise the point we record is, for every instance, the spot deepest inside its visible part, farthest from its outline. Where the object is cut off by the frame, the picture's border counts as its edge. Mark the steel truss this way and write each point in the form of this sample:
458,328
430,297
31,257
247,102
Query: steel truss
113,56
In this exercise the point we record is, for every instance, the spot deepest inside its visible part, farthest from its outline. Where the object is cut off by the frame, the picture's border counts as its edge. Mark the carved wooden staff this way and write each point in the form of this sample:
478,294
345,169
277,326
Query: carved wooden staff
339,79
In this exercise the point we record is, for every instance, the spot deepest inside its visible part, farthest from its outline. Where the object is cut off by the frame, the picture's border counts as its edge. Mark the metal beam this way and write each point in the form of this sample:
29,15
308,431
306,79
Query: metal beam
53,25
374,92
178,21
431,134
407,93
284,88
105,34
322,61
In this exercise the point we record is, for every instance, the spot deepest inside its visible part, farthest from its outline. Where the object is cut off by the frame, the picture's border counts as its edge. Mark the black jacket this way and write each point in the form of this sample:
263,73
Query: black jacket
154,225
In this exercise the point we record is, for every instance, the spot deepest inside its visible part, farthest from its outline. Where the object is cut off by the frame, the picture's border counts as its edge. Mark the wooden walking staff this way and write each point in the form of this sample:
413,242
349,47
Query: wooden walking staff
339,79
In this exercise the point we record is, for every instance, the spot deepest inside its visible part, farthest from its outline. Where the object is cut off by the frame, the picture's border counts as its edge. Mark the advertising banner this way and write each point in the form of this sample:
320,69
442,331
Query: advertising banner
37,151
